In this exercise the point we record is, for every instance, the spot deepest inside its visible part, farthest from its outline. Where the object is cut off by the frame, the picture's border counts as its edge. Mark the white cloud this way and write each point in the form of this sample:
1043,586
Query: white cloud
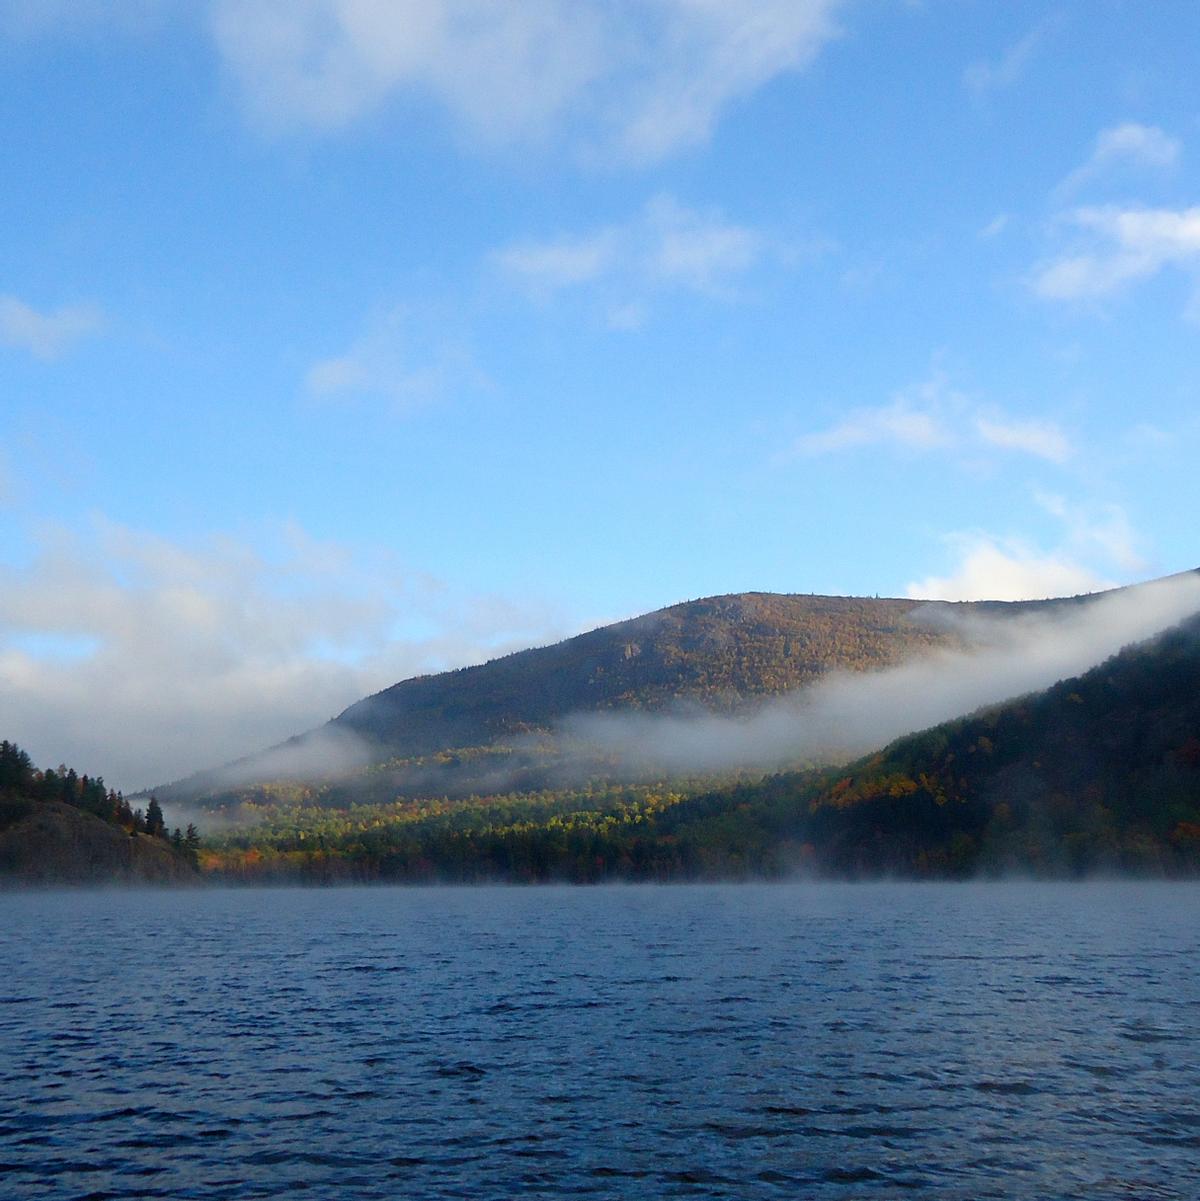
994,568
1143,144
394,358
933,415
562,262
1105,530
666,246
697,250
1128,144
707,53
637,81
983,76
143,659
1043,439
995,227
1006,569
1122,247
50,334
898,423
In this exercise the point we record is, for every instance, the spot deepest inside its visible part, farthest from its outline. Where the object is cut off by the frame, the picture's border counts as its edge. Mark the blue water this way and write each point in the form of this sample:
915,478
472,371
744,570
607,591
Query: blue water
928,1041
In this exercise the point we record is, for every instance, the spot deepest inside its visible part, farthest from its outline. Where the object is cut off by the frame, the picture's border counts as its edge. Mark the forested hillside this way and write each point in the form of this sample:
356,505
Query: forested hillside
479,729
1099,773
60,826
716,652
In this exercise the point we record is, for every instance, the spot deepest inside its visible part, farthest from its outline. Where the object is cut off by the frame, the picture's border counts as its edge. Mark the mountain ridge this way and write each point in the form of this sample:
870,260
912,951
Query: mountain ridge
1099,773
719,653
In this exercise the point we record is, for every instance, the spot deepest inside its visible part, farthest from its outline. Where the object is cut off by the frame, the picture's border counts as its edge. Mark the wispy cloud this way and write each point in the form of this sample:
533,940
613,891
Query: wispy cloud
46,335
1127,144
563,261
1120,247
666,246
636,81
1103,530
145,658
984,76
897,424
995,227
397,360
933,415
1093,539
1042,439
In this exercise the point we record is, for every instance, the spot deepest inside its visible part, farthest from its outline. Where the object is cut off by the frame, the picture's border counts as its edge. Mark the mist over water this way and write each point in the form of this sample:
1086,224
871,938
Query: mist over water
847,714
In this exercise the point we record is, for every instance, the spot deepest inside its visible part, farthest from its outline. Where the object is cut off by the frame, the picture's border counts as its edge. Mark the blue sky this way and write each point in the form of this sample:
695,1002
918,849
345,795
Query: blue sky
345,339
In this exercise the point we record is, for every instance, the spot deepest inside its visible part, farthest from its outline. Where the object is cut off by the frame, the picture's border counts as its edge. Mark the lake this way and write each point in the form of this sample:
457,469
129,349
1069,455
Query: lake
801,1041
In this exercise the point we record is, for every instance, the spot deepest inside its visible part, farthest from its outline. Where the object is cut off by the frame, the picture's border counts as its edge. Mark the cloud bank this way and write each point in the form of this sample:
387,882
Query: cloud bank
142,659
850,714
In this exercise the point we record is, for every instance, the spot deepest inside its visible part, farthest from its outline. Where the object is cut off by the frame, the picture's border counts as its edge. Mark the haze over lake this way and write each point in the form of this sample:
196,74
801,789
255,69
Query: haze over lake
839,1041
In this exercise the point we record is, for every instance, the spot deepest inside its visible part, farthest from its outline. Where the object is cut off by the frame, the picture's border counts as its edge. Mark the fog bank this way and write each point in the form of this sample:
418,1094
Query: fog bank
847,714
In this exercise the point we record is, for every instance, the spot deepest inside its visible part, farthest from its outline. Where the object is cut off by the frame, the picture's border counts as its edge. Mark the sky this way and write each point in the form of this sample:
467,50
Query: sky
344,340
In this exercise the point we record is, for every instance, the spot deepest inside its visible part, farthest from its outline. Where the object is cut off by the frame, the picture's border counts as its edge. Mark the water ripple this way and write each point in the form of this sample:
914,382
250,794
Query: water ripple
944,1042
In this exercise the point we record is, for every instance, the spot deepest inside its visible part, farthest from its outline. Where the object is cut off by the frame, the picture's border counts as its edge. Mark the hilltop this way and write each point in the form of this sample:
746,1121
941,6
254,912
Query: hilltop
718,653
1099,773
453,732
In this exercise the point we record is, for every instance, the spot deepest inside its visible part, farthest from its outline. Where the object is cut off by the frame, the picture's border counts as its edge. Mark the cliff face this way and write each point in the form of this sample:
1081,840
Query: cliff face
59,844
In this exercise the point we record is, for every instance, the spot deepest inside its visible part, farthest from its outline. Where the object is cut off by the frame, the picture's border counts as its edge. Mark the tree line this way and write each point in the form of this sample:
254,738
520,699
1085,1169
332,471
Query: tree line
21,783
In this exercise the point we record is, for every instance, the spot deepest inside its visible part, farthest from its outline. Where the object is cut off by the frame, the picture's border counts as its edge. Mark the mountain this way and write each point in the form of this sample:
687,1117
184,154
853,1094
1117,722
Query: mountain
452,732
1099,773
718,653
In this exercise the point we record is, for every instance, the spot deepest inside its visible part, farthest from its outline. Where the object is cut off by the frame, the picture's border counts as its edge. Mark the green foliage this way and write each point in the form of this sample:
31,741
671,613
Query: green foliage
578,834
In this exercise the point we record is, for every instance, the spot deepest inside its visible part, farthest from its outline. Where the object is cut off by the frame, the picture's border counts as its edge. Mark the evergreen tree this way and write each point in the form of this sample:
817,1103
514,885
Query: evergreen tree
155,823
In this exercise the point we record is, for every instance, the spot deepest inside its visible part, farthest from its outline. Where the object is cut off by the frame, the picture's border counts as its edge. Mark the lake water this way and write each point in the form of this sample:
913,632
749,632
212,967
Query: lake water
848,1041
